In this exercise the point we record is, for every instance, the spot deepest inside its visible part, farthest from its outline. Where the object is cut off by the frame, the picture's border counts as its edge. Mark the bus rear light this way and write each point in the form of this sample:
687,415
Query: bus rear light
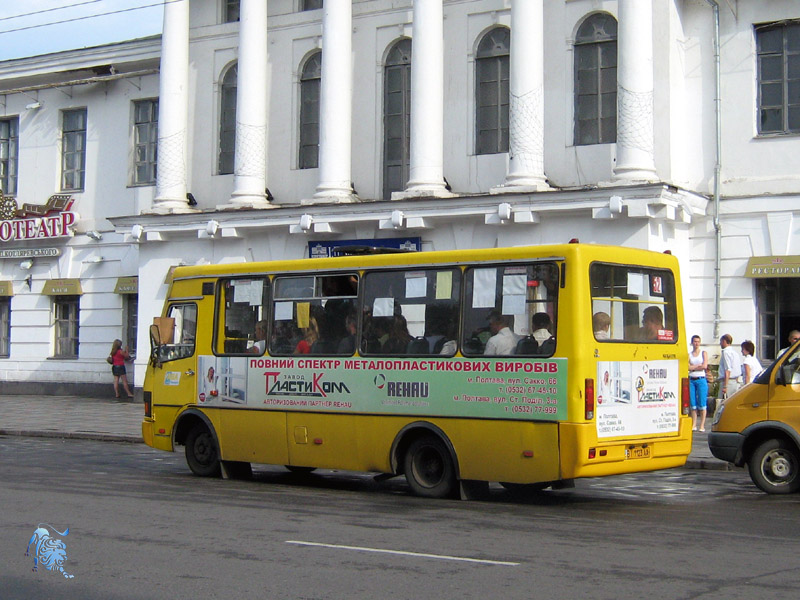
527,453
685,396
318,441
589,399
574,241
148,404
592,453
162,431
603,452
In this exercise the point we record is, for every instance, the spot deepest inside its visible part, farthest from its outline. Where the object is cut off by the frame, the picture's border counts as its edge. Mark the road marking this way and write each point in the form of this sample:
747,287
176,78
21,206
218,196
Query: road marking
404,553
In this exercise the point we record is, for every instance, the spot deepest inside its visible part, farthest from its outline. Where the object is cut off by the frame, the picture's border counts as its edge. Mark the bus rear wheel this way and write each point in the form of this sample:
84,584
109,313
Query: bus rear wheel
775,467
202,454
429,468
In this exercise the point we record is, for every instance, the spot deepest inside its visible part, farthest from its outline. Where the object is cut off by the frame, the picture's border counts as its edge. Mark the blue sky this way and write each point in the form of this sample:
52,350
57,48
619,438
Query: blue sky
84,23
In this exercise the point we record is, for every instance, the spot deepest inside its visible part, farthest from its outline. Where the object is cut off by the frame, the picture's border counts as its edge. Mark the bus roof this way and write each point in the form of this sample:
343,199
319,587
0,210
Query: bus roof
468,256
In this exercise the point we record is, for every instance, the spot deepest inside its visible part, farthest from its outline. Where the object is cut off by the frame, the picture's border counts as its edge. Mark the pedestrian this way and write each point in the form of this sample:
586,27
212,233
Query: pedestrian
118,357
751,366
730,368
698,384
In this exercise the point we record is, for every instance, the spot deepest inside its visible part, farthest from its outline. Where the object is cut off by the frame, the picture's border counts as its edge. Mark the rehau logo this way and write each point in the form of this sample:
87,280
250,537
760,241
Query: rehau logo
407,389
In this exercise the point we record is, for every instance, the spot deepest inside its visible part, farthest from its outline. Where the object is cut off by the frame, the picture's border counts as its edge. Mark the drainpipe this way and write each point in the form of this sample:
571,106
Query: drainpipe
717,170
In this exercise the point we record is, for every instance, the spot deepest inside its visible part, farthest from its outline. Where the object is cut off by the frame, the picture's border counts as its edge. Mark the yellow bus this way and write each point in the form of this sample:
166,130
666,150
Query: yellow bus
528,366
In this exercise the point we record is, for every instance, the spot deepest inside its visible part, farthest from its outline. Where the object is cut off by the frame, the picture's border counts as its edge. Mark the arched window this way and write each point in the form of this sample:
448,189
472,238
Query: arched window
596,81
396,117
491,91
309,112
227,121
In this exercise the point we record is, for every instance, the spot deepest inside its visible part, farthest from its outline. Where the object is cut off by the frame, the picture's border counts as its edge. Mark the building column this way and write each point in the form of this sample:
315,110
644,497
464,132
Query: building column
426,166
250,158
526,91
635,136
336,104
173,110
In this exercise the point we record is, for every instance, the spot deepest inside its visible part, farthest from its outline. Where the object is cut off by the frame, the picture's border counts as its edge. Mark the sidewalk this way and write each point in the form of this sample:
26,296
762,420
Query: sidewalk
121,421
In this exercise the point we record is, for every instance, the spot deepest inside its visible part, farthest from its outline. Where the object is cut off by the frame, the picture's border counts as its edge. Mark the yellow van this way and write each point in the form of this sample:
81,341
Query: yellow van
760,426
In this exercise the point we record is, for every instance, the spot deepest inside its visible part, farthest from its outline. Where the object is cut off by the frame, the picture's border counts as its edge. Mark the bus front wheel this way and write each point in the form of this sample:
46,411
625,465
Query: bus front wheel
429,468
775,467
202,454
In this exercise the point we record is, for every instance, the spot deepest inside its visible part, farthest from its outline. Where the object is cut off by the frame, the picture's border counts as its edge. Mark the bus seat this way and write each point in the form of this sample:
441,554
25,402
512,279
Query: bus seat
527,345
547,347
472,345
418,345
324,347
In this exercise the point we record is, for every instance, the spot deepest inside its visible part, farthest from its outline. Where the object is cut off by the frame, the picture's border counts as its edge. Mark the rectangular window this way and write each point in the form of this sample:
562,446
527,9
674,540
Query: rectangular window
310,4
633,304
511,309
314,314
411,312
244,306
145,141
73,149
9,151
5,327
131,311
231,11
778,47
66,313
177,333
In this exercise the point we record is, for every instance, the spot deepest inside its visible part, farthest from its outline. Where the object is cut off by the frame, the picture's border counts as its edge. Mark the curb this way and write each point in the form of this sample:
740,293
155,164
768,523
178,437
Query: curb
710,464
75,435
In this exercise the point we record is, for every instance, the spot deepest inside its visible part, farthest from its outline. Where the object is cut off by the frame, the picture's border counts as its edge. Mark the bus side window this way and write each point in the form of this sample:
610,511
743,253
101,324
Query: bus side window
180,341
314,315
511,309
243,304
411,312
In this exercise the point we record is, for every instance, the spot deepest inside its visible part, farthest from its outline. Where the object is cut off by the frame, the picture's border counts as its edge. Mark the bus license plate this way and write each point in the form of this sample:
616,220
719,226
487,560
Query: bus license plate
637,452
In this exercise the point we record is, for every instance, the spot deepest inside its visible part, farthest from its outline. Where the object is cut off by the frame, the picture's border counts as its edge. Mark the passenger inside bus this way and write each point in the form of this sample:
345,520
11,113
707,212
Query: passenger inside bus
652,322
503,341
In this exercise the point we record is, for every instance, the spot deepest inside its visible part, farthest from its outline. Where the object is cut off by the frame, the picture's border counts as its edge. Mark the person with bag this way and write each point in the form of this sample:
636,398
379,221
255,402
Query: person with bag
117,359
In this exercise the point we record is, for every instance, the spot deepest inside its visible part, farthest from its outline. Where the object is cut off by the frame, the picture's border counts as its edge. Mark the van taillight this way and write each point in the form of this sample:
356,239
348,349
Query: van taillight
148,404
685,396
589,399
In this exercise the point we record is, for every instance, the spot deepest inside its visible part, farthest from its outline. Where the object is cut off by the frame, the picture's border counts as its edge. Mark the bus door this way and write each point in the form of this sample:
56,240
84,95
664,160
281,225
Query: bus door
173,364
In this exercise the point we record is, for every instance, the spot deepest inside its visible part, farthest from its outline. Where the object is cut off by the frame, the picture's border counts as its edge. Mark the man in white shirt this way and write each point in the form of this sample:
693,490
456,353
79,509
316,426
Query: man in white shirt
730,368
503,341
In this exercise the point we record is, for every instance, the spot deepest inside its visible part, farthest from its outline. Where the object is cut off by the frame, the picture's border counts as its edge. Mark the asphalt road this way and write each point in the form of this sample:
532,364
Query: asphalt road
141,526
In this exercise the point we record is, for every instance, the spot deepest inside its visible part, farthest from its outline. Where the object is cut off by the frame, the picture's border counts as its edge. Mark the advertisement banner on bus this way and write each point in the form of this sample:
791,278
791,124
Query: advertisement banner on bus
480,388
637,397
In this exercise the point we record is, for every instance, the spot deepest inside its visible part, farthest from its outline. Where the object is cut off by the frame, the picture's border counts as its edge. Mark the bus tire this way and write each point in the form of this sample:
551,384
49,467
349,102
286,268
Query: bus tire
202,454
775,467
429,468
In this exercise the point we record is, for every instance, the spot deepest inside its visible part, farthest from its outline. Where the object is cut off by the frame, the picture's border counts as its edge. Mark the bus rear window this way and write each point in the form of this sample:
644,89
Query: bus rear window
633,304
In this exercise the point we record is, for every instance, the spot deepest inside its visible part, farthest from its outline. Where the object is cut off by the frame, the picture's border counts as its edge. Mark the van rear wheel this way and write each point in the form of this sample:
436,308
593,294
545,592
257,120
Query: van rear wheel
775,467
202,454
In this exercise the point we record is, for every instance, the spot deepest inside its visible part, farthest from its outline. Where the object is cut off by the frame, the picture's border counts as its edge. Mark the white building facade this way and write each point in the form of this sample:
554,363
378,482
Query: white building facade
257,130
